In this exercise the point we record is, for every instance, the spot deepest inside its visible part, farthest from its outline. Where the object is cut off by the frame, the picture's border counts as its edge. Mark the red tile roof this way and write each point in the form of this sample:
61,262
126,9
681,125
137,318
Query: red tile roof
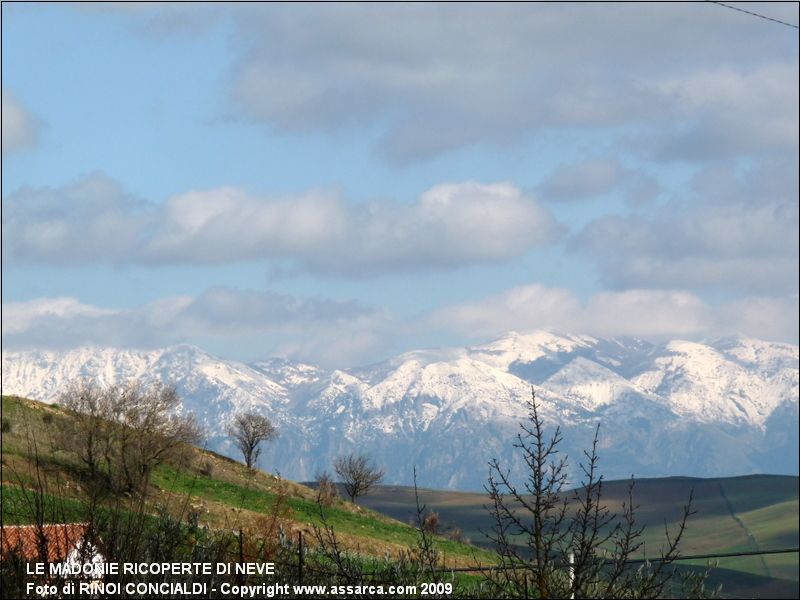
31,541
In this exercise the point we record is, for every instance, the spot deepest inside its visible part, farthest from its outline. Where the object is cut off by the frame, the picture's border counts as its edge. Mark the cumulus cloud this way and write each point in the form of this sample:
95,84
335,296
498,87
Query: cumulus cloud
735,231
20,128
449,225
273,322
435,78
650,314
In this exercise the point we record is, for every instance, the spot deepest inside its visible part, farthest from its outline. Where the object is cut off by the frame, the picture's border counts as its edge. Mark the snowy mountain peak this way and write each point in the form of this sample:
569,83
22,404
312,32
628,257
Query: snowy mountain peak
526,348
589,383
758,353
676,408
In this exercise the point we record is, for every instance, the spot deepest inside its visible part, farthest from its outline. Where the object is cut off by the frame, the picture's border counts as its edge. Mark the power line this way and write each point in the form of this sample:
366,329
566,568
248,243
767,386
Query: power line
721,555
680,558
753,14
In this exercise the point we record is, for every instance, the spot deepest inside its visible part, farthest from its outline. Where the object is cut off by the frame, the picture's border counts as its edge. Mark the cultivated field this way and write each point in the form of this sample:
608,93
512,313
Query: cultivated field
750,513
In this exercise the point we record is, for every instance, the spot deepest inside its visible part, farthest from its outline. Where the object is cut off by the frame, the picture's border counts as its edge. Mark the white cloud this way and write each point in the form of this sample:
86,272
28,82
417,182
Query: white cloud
519,308
770,318
337,333
227,224
435,78
20,129
647,313
650,314
734,231
696,80
450,225
730,112
19,317
315,329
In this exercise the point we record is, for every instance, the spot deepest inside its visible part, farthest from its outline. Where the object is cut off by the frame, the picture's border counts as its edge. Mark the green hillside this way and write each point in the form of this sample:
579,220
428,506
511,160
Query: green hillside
223,492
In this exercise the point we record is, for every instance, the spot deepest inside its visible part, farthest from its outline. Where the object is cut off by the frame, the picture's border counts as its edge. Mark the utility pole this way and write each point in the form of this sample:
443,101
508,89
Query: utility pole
571,560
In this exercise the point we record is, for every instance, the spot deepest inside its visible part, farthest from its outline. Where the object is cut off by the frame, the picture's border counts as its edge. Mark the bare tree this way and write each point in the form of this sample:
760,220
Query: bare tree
89,435
357,473
153,429
122,432
248,431
556,544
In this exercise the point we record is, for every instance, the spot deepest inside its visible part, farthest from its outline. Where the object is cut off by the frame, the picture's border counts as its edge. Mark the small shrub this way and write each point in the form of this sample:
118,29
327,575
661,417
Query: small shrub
431,522
455,534
6,426
207,468
47,418
327,492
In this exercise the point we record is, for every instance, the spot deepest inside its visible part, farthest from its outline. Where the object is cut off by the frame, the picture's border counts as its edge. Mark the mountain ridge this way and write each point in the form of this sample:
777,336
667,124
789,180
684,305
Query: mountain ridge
674,408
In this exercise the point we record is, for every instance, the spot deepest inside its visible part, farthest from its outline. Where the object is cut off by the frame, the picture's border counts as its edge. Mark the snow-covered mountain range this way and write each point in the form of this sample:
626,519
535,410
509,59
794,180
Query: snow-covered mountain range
726,407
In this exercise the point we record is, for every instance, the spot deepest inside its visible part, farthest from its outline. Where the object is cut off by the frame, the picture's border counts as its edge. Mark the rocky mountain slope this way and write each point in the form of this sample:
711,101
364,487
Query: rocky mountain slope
725,407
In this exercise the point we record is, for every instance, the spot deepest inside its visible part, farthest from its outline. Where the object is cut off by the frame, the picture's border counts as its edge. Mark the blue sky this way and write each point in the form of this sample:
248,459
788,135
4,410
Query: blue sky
336,183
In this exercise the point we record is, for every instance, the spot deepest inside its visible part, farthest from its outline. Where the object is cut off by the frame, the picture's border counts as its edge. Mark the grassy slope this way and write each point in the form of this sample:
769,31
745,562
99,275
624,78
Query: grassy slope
765,508
222,491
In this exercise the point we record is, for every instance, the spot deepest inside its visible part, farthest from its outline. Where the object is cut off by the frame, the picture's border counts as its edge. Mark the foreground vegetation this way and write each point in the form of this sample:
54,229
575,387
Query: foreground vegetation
197,506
